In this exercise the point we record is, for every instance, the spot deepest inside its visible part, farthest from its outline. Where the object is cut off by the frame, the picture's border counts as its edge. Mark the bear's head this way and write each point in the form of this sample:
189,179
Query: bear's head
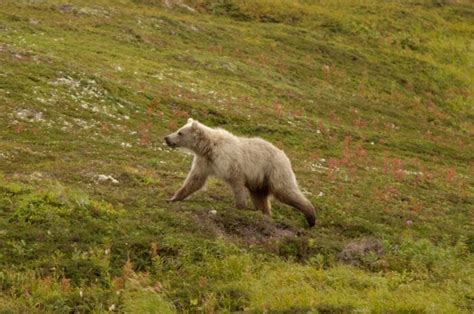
190,136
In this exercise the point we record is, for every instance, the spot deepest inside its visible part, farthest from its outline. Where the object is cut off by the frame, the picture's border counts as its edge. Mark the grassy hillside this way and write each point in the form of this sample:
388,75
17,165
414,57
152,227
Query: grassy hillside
371,100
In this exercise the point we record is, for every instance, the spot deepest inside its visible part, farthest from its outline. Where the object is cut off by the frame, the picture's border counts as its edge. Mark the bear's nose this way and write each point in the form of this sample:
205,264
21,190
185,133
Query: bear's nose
167,140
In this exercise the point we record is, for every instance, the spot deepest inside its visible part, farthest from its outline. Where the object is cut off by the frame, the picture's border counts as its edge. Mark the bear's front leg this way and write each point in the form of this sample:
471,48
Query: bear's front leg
240,194
191,185
195,180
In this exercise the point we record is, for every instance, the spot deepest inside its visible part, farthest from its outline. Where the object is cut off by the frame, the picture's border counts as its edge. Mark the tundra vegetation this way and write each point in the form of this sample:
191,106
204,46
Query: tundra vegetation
371,100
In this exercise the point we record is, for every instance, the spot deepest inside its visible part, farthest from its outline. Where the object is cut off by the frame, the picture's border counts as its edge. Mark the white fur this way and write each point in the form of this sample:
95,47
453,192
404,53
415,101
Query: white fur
246,164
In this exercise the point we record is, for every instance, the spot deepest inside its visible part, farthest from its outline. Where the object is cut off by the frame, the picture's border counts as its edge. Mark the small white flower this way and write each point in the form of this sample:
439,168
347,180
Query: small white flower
321,194
213,212
81,294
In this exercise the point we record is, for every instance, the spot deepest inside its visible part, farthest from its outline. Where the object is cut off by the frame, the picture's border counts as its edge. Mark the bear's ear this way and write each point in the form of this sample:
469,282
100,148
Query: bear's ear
190,120
195,124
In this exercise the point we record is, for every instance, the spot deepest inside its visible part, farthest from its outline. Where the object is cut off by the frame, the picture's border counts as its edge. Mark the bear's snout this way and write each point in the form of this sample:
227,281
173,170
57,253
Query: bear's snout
169,142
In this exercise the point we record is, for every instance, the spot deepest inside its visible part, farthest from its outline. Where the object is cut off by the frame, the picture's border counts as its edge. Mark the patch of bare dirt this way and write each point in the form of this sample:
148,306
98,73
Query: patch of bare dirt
242,227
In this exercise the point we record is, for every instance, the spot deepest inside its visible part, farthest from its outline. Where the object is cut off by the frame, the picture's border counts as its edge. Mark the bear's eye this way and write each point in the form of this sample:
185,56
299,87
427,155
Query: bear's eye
180,133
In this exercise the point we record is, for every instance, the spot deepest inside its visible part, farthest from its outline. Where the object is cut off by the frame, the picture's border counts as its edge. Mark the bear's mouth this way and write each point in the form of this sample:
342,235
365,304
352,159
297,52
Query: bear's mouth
169,143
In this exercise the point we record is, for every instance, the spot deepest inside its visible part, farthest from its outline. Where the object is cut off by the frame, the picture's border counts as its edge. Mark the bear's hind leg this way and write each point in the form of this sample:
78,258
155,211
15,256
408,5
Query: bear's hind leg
296,199
262,202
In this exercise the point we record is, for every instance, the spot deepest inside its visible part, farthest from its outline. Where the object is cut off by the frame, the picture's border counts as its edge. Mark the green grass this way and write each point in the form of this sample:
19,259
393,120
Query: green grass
371,100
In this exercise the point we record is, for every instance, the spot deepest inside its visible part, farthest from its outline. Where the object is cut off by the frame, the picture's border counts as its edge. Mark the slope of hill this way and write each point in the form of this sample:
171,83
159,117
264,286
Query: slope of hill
371,100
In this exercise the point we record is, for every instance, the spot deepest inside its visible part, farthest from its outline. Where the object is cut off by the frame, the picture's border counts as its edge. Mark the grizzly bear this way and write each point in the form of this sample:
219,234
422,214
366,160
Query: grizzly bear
248,165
